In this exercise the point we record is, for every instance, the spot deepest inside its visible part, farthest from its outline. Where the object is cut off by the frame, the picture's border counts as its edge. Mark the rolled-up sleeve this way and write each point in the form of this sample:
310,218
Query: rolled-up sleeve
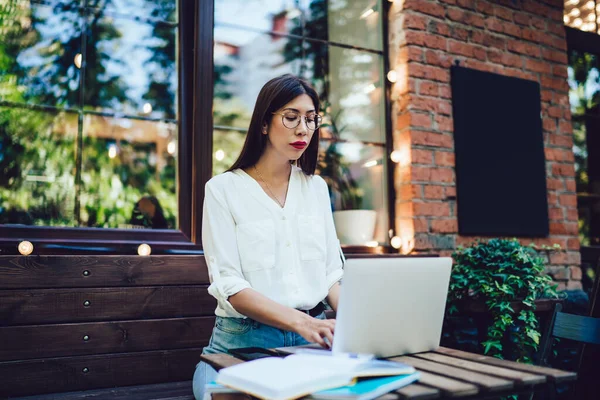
220,249
335,256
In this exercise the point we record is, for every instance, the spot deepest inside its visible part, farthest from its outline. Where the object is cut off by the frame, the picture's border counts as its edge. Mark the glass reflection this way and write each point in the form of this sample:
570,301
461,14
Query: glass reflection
352,22
264,15
129,173
130,67
244,61
38,47
356,176
227,146
37,164
161,10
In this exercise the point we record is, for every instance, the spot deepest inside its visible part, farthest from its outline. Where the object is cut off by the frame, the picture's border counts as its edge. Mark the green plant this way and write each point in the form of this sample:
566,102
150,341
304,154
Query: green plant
503,274
334,169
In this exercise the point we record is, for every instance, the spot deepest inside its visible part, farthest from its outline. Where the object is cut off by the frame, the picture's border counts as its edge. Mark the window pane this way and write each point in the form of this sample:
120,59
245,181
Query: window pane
263,15
226,149
244,62
38,49
582,14
37,164
161,10
356,176
352,22
129,173
352,88
131,67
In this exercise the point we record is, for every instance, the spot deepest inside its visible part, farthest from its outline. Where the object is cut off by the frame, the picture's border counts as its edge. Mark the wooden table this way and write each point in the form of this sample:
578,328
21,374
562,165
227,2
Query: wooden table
448,373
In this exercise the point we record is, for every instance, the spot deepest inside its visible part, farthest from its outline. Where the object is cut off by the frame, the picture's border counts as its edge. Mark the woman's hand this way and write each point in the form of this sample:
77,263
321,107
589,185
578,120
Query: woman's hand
316,330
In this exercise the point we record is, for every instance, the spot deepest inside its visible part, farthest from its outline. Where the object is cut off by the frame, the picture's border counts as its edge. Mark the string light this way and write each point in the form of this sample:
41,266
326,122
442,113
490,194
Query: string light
372,243
147,108
112,151
370,164
77,60
392,76
25,248
396,156
219,155
171,147
396,242
144,250
366,13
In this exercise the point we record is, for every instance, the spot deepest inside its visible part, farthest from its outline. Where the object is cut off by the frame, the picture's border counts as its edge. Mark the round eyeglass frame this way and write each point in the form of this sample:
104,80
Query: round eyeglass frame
318,117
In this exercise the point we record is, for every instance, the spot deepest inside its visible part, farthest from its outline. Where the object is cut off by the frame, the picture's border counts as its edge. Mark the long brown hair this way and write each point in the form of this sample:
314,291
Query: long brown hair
274,95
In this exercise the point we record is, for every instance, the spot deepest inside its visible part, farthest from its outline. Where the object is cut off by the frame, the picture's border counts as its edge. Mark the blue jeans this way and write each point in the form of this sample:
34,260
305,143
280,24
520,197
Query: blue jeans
232,333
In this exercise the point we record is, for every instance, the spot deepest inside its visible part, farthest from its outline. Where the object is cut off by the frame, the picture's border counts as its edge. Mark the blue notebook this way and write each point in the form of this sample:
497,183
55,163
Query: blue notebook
367,388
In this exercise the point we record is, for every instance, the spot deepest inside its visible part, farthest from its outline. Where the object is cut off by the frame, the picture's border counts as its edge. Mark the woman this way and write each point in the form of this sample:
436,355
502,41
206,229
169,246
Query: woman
268,233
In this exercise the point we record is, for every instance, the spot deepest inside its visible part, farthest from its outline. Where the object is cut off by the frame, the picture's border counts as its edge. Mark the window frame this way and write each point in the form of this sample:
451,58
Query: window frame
195,148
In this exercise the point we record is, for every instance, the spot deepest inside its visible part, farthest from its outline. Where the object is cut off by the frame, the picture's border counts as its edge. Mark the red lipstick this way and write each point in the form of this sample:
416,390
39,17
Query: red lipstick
298,145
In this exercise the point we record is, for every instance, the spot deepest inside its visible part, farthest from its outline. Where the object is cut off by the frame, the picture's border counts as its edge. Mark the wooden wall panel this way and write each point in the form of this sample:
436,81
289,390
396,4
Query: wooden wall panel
32,272
64,374
51,306
41,341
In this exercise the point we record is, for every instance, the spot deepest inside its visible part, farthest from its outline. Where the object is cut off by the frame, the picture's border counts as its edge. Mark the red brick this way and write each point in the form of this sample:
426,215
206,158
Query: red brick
572,214
552,199
485,7
558,272
574,285
555,214
435,192
538,23
460,48
565,127
563,170
555,112
554,184
445,91
444,158
426,138
444,107
554,83
403,121
573,244
512,29
410,192
520,47
409,53
426,7
549,124
503,13
557,29
444,226
450,192
422,103
415,21
575,273
555,55
557,228
425,39
565,257
558,43
420,120
520,74
439,28
494,24
428,72
428,88
438,58
429,174
432,209
488,40
522,19
538,66
560,70
419,156
456,32
421,224
469,4
465,17
568,200
561,140
571,185
444,123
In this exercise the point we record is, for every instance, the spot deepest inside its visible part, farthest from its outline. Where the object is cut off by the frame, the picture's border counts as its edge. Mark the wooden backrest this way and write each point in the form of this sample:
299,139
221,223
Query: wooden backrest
577,327
71,323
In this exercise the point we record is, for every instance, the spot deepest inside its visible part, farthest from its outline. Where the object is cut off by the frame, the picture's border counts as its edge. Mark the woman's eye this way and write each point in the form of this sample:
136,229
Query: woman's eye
291,117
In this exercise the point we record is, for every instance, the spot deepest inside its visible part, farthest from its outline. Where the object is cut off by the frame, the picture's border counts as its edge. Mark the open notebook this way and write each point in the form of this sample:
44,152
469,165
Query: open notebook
300,374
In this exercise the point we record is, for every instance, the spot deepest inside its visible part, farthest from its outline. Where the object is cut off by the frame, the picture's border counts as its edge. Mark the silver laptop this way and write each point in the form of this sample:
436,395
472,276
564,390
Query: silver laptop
391,306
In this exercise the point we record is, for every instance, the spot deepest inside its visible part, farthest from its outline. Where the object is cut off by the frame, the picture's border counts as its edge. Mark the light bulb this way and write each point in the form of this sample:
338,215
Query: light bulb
144,249
77,60
396,156
25,248
396,242
147,108
219,155
392,76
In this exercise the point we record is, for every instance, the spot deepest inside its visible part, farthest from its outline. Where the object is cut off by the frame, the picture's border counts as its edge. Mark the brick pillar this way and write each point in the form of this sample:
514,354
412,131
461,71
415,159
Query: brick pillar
519,38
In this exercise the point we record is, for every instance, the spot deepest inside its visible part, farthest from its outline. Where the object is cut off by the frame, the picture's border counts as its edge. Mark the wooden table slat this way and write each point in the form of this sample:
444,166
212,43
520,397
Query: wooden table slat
450,387
486,382
521,378
555,375
220,360
416,391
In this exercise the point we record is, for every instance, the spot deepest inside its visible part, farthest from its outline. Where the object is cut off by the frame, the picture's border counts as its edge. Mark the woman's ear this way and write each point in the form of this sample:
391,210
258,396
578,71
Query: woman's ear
264,129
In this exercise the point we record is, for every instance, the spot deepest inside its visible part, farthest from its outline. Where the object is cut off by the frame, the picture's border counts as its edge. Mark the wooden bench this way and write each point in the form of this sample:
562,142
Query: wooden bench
81,323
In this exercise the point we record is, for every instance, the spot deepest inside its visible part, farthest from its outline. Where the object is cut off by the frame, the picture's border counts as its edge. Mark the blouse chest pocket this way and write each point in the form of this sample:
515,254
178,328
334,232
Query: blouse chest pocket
312,238
256,244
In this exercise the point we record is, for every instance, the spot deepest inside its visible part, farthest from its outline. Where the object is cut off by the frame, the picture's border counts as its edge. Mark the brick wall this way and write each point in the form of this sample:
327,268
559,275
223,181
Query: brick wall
519,38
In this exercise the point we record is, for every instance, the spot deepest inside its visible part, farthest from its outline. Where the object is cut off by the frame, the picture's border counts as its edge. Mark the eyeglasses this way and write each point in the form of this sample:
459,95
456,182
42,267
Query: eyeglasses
291,120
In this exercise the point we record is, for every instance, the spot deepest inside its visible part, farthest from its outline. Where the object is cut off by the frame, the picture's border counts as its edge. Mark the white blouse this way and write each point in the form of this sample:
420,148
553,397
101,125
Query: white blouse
291,254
